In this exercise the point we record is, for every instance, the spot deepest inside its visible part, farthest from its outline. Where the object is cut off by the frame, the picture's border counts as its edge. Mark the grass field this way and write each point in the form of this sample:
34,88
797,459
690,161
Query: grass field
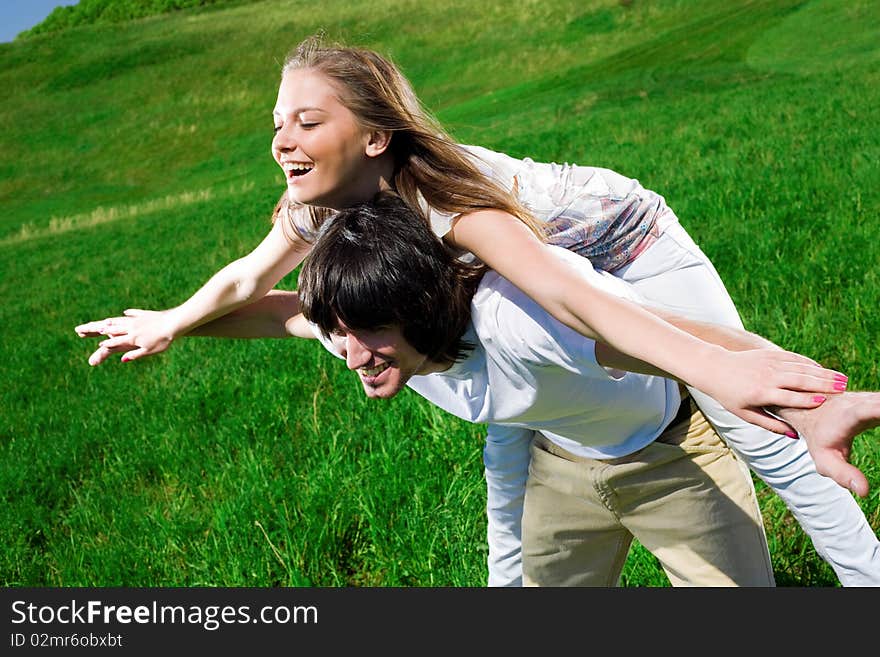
135,163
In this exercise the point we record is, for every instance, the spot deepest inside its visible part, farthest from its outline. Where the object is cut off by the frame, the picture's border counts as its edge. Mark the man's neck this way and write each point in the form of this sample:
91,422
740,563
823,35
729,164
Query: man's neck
433,367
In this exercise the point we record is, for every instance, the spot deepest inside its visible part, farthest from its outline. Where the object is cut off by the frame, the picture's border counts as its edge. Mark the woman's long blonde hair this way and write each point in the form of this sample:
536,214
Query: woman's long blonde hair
427,160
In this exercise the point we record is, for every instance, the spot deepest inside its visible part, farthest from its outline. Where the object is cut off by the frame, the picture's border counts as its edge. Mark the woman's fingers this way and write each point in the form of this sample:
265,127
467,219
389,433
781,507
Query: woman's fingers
134,354
118,343
792,357
108,326
797,364
89,329
99,356
809,383
768,422
792,372
94,329
794,399
129,334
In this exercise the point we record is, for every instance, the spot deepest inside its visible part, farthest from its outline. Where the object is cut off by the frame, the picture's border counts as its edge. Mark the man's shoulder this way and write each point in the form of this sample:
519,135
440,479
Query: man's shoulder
509,323
506,319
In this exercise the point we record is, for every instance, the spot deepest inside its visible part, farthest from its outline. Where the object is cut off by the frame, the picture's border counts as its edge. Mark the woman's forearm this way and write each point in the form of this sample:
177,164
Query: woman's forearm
732,339
642,335
225,291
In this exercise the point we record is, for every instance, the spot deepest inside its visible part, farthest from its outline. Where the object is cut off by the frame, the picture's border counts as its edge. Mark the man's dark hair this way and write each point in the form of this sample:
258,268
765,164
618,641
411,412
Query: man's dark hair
378,264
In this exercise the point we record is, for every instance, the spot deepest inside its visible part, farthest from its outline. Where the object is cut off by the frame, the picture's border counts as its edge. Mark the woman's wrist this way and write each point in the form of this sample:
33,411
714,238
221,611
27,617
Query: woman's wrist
705,365
175,324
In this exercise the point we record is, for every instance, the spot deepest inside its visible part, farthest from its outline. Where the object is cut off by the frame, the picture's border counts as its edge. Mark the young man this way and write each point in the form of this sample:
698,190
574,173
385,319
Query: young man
404,313
615,455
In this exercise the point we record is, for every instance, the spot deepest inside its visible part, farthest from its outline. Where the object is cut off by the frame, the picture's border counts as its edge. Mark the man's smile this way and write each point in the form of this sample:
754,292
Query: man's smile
372,372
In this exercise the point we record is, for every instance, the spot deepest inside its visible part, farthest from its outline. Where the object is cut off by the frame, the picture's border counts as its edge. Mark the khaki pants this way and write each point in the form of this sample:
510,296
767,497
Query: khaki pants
685,497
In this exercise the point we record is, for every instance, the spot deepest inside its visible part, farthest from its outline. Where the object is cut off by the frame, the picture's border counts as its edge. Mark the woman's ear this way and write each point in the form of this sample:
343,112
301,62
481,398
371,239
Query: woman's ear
378,142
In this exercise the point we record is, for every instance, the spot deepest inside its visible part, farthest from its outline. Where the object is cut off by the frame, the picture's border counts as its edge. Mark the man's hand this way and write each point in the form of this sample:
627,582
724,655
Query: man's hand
829,431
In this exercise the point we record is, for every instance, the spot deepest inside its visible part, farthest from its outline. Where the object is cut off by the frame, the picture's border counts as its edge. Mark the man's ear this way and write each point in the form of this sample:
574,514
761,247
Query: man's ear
378,142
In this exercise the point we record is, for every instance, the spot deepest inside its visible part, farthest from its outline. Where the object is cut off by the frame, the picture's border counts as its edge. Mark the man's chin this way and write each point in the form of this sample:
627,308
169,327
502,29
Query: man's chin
380,392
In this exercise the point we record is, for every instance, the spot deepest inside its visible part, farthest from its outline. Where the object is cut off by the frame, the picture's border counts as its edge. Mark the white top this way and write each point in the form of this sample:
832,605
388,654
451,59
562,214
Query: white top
529,370
595,212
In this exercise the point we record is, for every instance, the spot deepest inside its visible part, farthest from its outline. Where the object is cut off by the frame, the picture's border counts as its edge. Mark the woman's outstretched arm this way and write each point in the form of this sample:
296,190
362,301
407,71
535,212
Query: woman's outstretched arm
274,315
744,382
138,333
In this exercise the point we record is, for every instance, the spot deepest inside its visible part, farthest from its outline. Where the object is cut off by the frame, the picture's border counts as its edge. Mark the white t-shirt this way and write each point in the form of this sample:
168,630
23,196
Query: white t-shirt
529,370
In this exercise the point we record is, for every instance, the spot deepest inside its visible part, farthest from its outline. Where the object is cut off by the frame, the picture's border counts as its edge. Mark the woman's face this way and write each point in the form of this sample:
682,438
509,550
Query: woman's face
325,154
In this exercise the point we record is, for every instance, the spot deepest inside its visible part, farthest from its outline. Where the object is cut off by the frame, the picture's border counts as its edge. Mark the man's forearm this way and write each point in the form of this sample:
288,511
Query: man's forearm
276,315
730,338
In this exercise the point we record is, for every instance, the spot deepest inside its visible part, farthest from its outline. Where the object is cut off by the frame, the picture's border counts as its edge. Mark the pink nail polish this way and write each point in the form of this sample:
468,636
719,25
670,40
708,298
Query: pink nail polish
840,386
841,377
819,399
791,434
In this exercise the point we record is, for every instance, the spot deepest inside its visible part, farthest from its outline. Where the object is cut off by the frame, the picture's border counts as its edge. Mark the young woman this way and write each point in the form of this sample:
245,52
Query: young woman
348,124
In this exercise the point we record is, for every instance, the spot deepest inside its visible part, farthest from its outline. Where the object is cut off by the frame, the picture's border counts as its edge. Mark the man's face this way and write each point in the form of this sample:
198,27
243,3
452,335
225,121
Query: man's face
383,359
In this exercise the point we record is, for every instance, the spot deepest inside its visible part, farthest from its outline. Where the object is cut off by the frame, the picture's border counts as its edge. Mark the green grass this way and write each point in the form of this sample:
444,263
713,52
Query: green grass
136,163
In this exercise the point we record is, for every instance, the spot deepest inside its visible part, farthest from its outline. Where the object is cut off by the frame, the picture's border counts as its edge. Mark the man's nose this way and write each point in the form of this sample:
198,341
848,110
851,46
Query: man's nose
356,355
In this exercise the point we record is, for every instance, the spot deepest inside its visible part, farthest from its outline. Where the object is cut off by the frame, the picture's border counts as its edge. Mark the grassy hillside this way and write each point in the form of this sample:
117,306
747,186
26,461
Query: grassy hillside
136,163
98,12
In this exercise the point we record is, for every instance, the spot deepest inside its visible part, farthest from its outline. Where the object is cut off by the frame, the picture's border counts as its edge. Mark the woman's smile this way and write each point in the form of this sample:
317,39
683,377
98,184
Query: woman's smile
327,157
295,170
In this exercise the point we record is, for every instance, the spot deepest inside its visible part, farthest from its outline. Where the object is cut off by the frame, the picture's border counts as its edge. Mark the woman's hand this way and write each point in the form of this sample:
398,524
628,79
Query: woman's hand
136,334
745,382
